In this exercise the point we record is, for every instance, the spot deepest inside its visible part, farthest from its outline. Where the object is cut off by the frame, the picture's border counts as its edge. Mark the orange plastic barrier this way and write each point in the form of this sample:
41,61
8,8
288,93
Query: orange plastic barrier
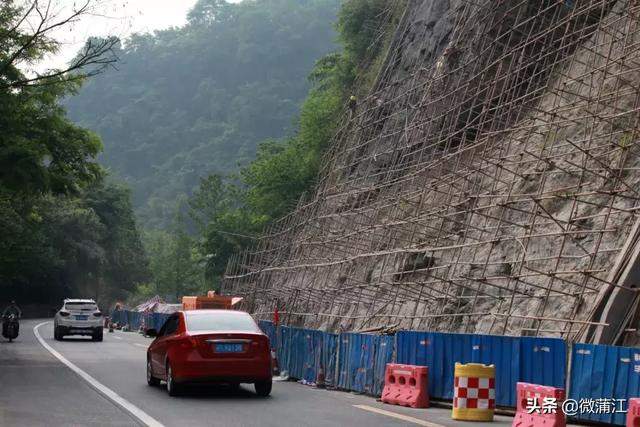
633,412
406,385
538,406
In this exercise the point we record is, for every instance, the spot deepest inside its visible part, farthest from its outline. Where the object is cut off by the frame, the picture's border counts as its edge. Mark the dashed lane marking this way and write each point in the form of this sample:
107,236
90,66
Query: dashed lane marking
141,345
398,416
129,407
118,338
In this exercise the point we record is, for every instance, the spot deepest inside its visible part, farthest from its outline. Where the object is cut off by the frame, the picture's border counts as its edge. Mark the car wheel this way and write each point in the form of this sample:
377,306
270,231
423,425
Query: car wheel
263,388
172,387
57,333
151,380
97,335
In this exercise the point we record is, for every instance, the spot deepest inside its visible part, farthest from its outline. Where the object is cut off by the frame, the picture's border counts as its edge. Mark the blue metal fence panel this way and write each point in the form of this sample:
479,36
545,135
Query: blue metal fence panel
298,352
313,354
384,349
604,372
356,362
119,316
504,353
301,354
159,319
329,358
134,320
543,361
283,334
362,363
270,330
344,359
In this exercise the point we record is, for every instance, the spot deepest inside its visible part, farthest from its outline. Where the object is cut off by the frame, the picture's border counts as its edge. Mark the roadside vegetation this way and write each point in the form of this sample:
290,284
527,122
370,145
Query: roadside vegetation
66,229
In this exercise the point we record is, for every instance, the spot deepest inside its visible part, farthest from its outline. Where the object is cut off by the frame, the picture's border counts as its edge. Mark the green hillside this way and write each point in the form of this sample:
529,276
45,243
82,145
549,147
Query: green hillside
187,102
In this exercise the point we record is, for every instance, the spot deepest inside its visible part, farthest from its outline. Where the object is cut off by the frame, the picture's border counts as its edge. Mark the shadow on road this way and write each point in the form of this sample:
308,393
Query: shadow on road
76,339
217,391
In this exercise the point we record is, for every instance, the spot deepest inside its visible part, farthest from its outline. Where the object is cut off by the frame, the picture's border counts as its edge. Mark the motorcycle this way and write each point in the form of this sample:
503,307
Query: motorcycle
10,327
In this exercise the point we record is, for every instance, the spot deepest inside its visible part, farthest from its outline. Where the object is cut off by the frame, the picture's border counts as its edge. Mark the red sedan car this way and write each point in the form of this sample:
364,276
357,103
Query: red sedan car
210,346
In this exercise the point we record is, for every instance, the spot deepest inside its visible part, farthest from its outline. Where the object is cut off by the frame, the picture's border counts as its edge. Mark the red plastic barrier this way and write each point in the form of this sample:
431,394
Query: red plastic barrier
547,413
633,412
406,385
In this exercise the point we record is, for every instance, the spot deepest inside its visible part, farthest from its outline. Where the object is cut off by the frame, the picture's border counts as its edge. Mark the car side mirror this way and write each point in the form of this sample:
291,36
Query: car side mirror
151,333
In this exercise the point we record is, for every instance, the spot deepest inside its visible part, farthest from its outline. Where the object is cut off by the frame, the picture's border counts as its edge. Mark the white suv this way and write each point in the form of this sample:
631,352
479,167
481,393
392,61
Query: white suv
78,317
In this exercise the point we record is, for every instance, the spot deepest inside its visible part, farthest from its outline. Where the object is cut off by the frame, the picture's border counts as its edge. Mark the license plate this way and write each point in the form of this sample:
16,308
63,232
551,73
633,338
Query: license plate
82,317
228,348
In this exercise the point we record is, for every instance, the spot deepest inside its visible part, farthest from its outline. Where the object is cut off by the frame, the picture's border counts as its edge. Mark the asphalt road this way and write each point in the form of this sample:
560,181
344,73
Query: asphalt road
39,390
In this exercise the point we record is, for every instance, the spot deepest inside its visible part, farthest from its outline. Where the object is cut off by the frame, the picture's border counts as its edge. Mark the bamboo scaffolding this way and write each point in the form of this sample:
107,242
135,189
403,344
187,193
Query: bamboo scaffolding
484,185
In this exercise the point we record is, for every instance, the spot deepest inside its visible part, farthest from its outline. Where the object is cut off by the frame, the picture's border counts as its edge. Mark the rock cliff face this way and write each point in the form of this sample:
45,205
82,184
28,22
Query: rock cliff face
487,184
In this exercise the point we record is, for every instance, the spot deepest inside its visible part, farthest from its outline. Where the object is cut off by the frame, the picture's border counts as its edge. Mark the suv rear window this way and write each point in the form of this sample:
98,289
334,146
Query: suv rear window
221,322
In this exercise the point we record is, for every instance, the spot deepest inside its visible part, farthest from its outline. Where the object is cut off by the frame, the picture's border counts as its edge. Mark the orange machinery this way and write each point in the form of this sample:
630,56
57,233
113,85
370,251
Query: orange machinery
210,301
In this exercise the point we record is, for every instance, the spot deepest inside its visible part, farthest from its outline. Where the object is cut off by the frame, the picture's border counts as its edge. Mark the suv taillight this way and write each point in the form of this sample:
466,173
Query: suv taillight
64,313
97,314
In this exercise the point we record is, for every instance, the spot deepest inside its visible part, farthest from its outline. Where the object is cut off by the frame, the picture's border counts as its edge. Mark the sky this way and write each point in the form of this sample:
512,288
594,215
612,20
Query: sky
114,17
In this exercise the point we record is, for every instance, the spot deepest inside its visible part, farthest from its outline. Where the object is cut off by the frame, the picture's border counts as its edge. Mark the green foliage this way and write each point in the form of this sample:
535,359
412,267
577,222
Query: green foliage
58,246
271,185
196,100
359,27
223,222
40,151
178,267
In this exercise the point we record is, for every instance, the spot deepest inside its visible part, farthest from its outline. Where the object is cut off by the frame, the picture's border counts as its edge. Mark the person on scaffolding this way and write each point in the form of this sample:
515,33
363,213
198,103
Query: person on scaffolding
353,104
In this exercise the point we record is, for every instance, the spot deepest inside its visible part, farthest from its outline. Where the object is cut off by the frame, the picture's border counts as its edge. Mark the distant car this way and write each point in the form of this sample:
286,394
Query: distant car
78,317
210,346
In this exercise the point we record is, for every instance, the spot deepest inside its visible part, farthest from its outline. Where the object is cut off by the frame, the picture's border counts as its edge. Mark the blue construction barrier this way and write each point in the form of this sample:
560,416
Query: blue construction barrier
604,372
329,358
384,351
362,360
270,330
159,319
134,320
536,360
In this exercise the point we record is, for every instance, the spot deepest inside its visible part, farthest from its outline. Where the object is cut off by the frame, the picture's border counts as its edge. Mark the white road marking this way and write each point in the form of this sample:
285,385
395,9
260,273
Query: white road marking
398,416
137,413
141,345
118,338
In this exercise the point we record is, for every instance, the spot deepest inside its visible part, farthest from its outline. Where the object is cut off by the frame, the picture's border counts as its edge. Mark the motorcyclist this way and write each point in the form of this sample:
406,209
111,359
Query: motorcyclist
12,309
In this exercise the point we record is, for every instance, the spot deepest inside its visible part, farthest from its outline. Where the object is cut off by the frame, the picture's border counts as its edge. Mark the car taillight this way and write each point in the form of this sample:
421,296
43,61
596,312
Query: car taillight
97,314
64,313
188,343
259,344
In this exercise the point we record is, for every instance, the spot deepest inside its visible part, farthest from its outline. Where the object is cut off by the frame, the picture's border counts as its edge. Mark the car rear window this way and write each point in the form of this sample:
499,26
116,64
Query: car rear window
221,322
82,306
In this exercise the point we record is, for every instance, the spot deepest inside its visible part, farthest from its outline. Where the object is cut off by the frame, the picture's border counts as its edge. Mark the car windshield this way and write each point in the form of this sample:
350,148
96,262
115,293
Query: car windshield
221,322
82,306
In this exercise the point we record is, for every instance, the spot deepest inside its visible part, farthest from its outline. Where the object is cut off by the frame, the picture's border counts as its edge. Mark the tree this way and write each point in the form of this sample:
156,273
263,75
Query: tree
177,265
65,230
40,150
26,36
